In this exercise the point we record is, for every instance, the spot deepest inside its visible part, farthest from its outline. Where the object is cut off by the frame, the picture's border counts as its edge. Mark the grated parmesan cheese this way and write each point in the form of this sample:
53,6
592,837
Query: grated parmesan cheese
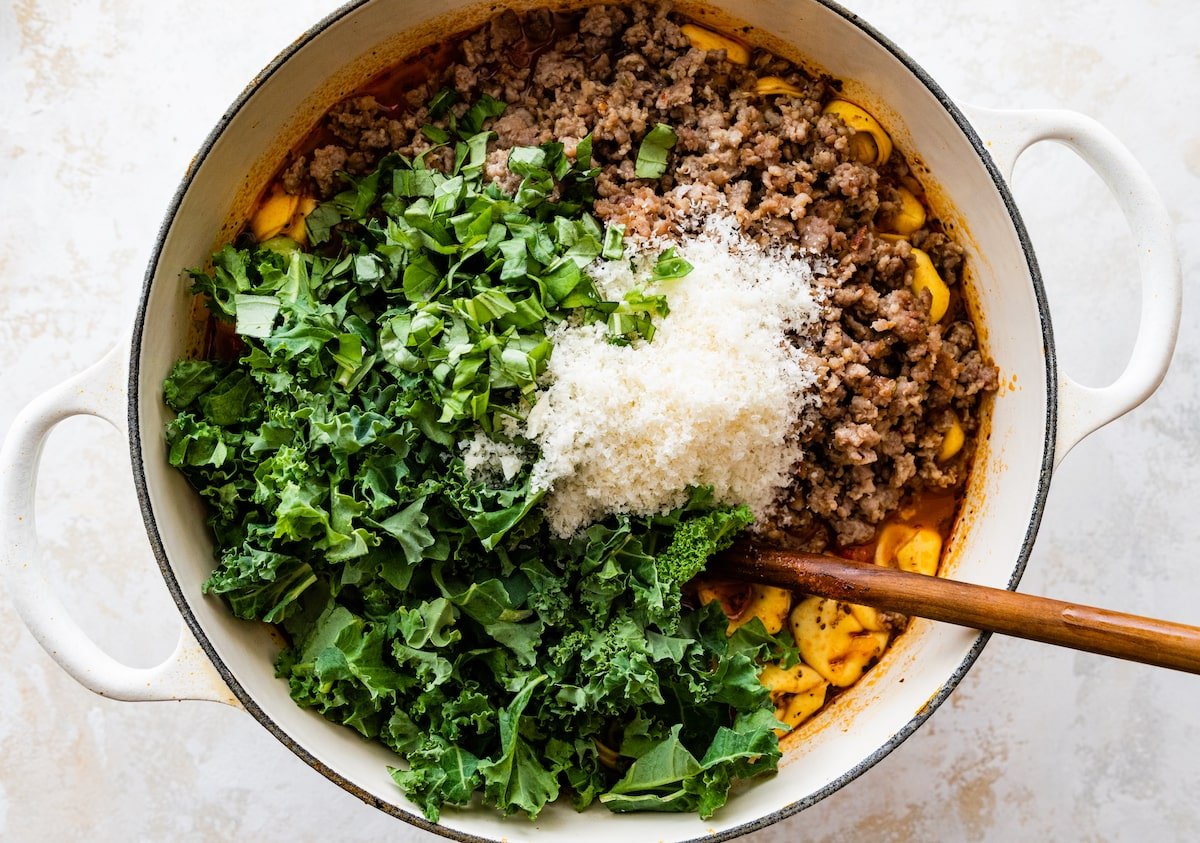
715,399
484,458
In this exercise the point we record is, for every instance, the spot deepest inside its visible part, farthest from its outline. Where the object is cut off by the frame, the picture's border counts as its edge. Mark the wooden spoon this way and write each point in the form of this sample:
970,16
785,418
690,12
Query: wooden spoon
1042,619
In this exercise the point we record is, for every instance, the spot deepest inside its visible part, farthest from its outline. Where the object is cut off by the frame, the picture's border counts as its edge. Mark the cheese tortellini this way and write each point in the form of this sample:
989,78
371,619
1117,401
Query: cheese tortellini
837,641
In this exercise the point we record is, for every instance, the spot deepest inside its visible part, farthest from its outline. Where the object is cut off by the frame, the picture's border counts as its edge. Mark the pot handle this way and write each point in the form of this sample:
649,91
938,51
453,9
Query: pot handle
1084,409
187,674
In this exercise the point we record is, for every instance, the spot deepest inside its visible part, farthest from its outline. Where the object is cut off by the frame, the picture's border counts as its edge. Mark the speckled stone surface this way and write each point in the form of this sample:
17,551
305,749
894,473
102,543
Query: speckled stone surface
101,107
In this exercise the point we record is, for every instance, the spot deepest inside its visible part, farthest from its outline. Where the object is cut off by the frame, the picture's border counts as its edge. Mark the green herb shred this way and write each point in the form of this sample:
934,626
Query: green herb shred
652,154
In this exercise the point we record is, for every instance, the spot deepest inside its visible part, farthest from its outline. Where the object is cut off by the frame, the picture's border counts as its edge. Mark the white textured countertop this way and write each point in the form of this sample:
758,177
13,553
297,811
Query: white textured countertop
101,107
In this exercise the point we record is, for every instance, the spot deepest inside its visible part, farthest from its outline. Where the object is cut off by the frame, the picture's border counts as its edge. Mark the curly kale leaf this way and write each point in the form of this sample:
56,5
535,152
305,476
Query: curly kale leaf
696,540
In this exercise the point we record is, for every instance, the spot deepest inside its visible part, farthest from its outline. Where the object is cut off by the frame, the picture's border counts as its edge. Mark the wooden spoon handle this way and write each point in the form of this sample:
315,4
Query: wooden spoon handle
1042,619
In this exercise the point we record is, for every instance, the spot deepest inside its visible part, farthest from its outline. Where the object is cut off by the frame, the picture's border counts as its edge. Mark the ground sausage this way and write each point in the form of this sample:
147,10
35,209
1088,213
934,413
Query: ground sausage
890,382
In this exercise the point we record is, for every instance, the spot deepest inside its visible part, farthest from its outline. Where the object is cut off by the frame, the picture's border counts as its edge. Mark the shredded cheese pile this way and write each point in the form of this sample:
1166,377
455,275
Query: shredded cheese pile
715,399
485,459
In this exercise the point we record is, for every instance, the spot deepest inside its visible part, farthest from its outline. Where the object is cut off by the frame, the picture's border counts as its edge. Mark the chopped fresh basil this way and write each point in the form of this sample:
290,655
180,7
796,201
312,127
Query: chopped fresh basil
652,154
614,242
255,314
670,265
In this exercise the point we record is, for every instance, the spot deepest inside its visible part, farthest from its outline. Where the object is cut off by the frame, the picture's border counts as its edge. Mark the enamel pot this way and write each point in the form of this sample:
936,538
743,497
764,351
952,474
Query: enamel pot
964,154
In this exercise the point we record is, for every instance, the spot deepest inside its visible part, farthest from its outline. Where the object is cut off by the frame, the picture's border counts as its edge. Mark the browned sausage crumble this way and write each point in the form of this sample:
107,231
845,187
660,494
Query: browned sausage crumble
891,383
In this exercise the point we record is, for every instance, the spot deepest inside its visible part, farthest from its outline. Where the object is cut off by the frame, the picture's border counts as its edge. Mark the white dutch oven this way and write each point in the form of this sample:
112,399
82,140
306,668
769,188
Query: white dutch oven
1036,418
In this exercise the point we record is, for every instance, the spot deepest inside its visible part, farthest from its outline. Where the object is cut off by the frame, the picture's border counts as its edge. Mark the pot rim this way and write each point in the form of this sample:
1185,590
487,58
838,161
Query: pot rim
245,698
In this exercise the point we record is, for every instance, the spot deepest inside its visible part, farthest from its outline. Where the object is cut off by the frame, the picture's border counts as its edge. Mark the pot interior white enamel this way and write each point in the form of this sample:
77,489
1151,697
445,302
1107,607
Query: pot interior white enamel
1003,504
